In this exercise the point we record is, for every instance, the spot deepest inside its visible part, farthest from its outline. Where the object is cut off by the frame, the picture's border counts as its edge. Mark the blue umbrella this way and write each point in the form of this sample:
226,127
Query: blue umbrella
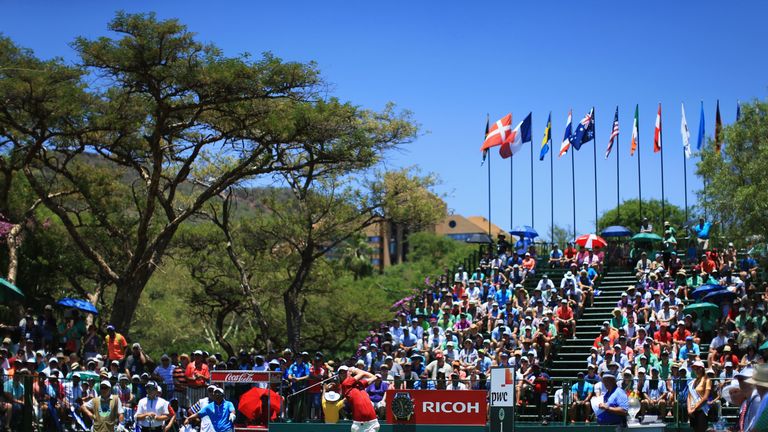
78,304
524,231
616,231
706,289
719,296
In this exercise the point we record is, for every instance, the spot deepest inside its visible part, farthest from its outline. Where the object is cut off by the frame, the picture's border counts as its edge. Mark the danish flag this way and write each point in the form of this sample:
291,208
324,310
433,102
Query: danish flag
499,133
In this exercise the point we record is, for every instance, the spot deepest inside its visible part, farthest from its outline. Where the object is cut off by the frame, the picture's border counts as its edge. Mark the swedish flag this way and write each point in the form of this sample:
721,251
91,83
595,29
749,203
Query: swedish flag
547,138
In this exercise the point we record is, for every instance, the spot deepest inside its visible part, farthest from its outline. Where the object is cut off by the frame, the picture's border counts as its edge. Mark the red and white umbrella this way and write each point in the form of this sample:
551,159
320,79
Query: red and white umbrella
591,241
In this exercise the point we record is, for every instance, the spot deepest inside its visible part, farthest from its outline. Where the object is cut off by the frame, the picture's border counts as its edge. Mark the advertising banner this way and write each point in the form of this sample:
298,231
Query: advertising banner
437,407
243,377
502,387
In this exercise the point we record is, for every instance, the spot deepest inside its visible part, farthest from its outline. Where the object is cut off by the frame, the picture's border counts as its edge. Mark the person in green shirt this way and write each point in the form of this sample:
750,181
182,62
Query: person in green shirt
618,320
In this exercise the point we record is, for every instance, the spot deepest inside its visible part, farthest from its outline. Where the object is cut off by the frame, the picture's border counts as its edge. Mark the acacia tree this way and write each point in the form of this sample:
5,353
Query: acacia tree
173,123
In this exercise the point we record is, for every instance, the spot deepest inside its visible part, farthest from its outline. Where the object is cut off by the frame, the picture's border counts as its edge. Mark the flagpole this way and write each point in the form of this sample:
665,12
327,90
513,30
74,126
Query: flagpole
573,190
532,225
488,156
685,183
594,159
551,189
639,182
511,191
661,144
618,195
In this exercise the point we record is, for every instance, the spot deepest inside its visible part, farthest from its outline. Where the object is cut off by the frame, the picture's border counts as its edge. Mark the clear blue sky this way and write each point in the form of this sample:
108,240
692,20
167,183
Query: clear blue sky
452,62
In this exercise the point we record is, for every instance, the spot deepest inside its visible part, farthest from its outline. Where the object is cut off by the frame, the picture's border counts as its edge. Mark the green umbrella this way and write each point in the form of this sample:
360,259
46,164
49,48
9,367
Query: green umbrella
649,237
84,375
700,308
763,346
11,288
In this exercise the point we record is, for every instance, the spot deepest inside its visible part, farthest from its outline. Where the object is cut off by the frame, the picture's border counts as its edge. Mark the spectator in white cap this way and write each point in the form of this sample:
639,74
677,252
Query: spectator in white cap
105,411
751,398
615,403
152,411
197,375
205,422
220,411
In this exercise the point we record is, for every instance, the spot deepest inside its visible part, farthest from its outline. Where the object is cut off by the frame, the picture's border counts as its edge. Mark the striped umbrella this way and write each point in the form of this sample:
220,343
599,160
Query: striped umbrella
591,241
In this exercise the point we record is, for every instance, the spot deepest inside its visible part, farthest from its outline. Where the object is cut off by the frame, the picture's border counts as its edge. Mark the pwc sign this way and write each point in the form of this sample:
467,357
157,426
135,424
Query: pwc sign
437,407
502,387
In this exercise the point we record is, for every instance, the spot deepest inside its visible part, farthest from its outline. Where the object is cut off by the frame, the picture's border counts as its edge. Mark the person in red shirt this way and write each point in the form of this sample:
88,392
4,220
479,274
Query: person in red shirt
197,375
663,337
353,390
564,319
680,334
569,254
317,373
708,266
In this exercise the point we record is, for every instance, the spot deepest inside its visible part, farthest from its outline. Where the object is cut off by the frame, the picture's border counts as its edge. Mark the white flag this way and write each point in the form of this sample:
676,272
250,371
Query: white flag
685,133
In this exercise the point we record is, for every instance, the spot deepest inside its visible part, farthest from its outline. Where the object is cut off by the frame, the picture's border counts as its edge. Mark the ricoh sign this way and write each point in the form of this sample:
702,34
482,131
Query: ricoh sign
437,407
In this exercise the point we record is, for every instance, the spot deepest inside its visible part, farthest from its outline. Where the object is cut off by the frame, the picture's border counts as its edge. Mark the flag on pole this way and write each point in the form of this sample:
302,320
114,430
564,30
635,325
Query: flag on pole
635,133
521,134
585,130
499,133
718,129
738,110
566,144
547,138
487,125
657,132
700,139
614,133
685,133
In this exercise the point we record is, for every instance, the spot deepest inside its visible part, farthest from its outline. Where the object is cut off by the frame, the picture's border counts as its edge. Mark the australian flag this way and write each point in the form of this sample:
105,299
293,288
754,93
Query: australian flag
585,131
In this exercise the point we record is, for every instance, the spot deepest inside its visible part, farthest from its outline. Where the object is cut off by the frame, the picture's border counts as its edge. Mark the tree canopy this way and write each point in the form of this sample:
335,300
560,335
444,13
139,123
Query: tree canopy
735,189
628,215
178,123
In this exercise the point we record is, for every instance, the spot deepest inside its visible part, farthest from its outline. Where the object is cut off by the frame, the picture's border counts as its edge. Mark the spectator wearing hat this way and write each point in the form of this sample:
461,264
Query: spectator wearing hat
152,410
533,388
197,375
115,344
581,394
752,398
615,404
219,411
163,374
105,411
332,404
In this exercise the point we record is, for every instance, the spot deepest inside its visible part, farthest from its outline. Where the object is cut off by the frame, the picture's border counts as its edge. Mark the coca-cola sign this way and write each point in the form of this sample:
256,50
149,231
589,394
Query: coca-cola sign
244,377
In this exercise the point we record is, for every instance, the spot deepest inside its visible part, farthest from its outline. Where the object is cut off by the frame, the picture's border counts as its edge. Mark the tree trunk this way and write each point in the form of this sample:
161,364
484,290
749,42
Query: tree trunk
14,239
293,320
219,332
399,243
127,300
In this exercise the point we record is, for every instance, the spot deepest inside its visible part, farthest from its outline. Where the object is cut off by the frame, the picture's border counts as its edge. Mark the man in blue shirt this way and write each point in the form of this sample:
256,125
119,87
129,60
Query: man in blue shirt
615,405
221,412
581,393
701,230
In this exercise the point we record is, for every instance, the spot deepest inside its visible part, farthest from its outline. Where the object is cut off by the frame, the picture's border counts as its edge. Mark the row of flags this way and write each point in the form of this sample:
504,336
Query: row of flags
510,141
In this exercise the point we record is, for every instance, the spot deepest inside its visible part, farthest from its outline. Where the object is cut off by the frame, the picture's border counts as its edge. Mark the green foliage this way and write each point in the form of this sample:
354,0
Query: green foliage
735,189
628,215
561,235
152,124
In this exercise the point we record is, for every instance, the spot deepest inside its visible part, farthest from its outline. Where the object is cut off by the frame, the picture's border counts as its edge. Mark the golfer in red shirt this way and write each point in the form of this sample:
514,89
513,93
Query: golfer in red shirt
353,389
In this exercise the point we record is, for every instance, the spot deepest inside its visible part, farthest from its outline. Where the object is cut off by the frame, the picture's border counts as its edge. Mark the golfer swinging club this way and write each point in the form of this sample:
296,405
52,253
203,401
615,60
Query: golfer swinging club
353,389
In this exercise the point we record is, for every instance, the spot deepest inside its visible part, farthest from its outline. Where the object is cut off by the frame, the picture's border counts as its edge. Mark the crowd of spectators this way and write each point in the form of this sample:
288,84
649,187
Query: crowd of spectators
505,312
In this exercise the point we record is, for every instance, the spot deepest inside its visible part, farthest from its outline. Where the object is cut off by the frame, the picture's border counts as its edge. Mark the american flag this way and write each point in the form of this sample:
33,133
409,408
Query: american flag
614,133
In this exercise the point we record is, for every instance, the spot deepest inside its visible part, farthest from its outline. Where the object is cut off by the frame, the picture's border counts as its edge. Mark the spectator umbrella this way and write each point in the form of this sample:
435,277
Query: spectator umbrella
616,231
524,231
646,237
702,307
706,289
591,241
10,288
78,304
251,405
719,296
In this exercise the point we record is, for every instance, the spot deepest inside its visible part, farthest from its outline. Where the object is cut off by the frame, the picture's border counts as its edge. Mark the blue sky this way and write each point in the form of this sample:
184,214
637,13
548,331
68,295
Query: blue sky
452,62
